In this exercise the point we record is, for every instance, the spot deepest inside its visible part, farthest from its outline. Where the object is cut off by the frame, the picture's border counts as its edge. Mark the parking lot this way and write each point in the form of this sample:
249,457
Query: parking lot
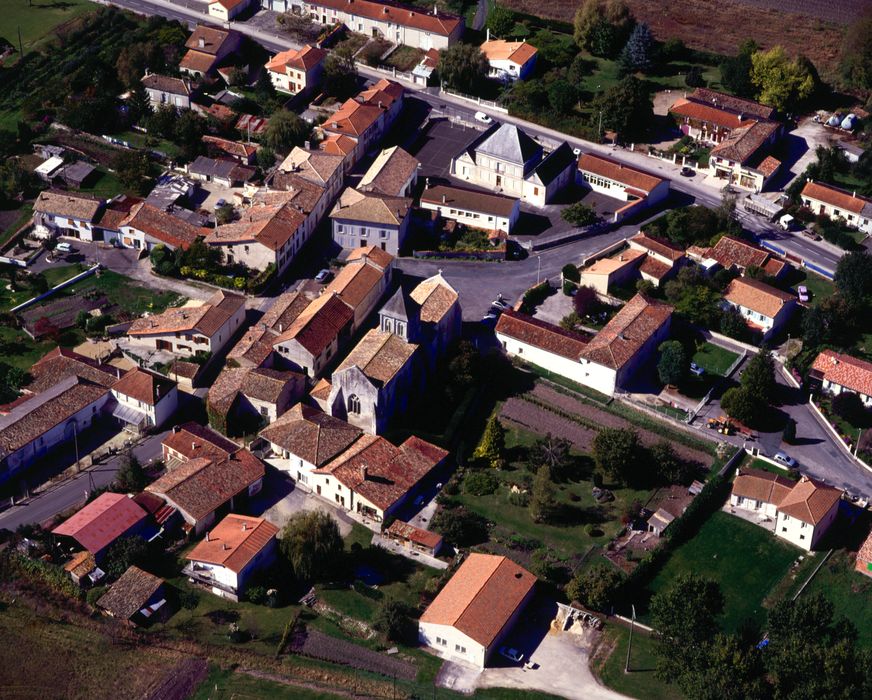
438,143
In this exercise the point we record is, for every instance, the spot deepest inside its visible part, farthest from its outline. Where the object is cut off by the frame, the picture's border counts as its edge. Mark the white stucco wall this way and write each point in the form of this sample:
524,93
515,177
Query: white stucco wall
857,221
451,643
803,534
761,507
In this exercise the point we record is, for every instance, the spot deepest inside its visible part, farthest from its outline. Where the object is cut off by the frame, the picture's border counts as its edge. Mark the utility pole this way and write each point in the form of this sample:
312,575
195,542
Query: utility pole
630,640
599,129
538,270
857,446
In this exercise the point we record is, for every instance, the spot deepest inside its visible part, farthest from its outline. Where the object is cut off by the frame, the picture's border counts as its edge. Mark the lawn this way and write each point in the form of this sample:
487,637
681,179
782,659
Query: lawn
140,140
36,18
568,539
133,298
765,466
819,287
714,359
20,350
405,58
848,591
745,559
640,682
229,684
104,184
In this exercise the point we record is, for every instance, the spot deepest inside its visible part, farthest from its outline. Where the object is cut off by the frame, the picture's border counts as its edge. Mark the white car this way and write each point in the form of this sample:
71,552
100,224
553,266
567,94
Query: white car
782,457
483,118
802,293
512,654
64,248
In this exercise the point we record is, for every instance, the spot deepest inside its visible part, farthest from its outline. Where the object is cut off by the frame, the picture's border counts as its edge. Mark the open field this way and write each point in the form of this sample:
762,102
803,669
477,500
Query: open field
36,18
719,26
745,559
611,656
231,685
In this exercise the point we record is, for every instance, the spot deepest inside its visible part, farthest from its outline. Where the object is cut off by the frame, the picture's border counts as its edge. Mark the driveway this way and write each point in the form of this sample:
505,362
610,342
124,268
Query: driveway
280,499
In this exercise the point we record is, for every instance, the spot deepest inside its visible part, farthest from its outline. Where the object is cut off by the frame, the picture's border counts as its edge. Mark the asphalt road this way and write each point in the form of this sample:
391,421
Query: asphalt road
73,492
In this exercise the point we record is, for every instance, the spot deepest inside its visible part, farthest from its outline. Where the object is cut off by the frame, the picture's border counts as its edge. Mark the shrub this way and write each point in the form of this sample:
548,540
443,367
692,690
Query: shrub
256,595
94,595
571,272
480,483
848,406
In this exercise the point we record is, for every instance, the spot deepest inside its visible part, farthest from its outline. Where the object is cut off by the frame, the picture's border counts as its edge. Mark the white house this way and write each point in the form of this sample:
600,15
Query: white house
509,60
166,90
763,307
399,24
304,439
605,362
241,398
187,330
507,160
640,189
231,553
227,10
147,226
836,203
482,210
374,478
145,399
55,416
803,511
297,70
742,159
476,609
71,214
836,372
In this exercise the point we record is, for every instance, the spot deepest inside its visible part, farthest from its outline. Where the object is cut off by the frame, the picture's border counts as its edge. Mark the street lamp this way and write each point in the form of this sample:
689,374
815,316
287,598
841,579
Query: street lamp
538,270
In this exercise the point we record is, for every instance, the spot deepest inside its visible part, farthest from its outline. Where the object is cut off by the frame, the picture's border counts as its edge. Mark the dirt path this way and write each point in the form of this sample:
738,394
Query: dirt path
593,416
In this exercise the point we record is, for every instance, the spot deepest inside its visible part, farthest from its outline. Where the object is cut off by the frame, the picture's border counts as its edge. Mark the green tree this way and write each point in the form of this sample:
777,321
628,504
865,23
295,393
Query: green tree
501,21
781,82
124,553
562,96
685,616
553,451
670,467
571,272
579,214
673,364
544,507
736,70
693,297
617,451
188,134
139,105
286,129
758,378
265,91
266,157
131,476
224,214
637,54
853,279
311,543
856,64
738,403
602,26
595,587
162,121
850,407
730,670
733,325
11,380
394,619
134,59
480,483
132,168
493,442
461,527
340,75
625,108
463,67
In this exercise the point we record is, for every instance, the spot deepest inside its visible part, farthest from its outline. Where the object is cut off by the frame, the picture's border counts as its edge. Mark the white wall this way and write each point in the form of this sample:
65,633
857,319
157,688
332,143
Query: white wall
749,504
451,643
833,388
803,534
855,220
482,220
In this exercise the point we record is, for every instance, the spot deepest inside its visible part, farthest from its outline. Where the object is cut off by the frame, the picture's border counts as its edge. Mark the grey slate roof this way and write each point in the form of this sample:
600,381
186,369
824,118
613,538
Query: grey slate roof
555,163
401,307
509,143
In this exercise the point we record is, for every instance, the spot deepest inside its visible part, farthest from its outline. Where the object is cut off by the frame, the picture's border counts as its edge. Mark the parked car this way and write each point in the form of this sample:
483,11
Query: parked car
501,304
808,233
64,247
220,203
323,276
802,293
782,457
483,118
512,654
696,369
687,171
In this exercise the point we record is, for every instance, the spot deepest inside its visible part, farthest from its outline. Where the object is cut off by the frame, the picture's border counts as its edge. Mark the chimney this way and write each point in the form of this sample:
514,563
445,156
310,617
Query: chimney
157,391
244,527
435,10
224,546
208,539
488,34
281,327
444,199
307,145
201,42
193,445
118,373
176,428
363,471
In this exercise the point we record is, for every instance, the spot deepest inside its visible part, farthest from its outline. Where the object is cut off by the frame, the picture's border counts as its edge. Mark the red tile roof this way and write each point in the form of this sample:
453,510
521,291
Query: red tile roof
234,542
864,557
627,332
810,501
102,521
144,385
835,196
164,227
405,531
745,142
757,296
731,102
192,440
660,246
440,23
319,324
706,113
310,434
303,59
729,252
619,172
481,598
540,334
845,371
759,485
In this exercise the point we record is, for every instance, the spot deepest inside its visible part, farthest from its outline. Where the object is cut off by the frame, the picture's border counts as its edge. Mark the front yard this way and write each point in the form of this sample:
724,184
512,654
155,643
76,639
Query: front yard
610,659
714,359
745,559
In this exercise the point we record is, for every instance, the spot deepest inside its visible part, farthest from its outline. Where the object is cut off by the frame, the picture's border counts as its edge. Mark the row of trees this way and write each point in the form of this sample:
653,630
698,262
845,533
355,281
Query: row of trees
621,457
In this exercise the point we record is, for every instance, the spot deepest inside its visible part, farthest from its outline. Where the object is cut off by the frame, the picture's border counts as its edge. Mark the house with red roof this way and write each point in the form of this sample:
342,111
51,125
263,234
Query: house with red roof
400,24
297,70
231,553
764,308
227,10
835,372
145,399
101,522
836,203
477,608
640,189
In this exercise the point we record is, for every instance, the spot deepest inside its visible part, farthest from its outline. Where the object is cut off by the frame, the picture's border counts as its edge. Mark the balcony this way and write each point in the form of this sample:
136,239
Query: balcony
205,578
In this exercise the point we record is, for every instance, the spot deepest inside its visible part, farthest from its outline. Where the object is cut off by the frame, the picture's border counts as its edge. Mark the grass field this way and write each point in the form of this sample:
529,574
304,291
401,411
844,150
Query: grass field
133,298
36,18
848,591
819,287
221,684
640,682
104,184
745,559
714,359
769,467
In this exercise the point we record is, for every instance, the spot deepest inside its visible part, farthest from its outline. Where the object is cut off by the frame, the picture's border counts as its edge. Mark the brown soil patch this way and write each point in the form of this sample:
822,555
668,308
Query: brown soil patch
721,25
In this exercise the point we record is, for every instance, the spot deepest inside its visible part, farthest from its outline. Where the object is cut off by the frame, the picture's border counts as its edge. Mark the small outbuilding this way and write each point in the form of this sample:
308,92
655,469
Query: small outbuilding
135,598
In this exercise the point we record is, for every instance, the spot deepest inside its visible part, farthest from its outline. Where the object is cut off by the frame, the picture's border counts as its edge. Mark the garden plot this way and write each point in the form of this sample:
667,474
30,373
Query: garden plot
542,421
317,645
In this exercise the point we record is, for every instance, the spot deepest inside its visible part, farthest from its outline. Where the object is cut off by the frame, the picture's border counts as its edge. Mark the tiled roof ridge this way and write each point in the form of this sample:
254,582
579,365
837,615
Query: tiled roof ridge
492,573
